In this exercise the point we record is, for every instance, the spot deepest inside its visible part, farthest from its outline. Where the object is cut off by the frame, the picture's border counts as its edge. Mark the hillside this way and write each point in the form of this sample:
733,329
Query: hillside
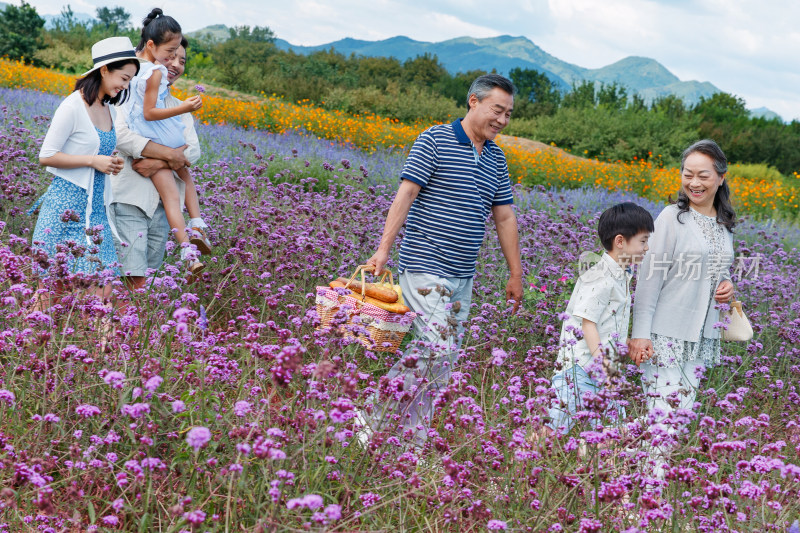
216,32
640,75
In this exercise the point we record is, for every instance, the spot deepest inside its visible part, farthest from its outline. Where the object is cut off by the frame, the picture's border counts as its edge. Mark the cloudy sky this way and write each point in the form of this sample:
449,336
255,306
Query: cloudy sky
750,48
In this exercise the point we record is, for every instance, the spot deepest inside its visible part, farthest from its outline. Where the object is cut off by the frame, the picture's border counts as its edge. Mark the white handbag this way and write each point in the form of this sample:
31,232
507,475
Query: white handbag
739,328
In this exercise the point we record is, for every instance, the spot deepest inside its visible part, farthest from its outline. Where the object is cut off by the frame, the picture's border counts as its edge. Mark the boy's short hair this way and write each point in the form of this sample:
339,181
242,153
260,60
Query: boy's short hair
626,219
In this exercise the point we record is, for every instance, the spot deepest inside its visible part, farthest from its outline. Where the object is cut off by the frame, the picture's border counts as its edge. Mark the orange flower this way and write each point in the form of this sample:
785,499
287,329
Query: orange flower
646,177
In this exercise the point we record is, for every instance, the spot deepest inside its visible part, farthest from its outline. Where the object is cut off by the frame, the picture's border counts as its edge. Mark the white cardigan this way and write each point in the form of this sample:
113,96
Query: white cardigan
670,299
73,132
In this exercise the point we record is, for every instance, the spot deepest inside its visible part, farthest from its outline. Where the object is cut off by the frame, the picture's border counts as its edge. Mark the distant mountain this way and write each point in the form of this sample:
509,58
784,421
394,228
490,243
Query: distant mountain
642,75
217,32
460,55
49,19
763,112
637,74
689,91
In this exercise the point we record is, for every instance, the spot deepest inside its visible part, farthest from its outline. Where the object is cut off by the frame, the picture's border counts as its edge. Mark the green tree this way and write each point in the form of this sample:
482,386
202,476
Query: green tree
537,95
377,71
242,63
772,142
65,21
581,96
20,31
720,108
637,103
424,70
258,34
724,118
669,105
113,19
457,86
612,96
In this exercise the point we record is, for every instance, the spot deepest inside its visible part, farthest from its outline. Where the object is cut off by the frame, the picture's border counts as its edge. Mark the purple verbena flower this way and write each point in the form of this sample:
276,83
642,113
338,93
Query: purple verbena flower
198,436
86,410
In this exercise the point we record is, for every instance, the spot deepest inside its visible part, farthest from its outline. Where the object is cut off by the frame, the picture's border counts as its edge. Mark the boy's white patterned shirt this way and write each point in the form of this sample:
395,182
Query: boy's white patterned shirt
602,295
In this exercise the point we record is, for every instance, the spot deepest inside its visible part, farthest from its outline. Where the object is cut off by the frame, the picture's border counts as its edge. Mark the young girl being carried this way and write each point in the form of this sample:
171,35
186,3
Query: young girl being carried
149,117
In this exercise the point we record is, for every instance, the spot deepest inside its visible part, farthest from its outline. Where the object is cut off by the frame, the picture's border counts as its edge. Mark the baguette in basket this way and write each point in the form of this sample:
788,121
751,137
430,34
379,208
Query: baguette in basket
379,291
392,307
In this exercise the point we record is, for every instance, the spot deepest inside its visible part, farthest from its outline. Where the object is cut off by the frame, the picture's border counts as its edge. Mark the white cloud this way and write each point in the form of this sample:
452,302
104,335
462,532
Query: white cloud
747,47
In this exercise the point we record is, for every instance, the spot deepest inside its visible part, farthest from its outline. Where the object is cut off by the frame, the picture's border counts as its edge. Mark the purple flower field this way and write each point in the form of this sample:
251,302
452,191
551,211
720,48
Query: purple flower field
222,406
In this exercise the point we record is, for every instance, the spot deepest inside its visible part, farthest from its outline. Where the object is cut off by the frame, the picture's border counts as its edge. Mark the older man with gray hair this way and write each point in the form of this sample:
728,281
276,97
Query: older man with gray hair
137,209
454,177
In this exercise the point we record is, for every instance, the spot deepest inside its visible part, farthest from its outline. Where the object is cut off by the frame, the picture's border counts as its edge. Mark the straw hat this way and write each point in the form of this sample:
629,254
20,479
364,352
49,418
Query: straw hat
111,50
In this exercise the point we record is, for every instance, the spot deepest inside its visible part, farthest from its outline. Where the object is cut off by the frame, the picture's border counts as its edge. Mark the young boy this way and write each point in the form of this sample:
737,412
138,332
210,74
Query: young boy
599,312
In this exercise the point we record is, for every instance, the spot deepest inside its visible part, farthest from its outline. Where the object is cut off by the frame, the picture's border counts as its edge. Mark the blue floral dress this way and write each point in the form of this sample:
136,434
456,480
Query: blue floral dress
61,226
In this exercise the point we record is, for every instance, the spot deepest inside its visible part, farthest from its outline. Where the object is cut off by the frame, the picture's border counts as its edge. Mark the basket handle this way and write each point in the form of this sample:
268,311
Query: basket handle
360,269
371,269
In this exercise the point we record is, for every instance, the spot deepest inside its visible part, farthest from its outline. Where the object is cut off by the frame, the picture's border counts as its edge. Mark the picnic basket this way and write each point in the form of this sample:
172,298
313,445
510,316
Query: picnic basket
380,331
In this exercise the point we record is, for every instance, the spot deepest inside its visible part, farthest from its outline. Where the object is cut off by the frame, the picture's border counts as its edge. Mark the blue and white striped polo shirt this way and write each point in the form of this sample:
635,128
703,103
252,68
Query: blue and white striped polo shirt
447,221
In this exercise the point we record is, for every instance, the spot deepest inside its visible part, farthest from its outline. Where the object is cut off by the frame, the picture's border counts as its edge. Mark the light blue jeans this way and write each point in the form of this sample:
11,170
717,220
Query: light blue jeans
145,238
570,386
425,367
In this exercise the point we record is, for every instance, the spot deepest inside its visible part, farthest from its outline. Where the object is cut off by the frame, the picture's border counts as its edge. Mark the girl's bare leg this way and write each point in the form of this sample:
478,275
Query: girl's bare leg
197,225
191,202
164,182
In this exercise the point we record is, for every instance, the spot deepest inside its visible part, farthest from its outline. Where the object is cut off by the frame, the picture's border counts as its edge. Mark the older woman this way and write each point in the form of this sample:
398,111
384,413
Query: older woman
681,280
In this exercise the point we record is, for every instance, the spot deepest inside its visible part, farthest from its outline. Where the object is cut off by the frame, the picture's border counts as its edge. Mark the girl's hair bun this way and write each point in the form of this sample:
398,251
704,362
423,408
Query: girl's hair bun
159,28
154,14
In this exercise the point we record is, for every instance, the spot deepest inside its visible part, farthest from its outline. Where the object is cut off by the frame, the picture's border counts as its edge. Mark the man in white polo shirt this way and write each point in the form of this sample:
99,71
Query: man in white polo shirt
454,177
137,210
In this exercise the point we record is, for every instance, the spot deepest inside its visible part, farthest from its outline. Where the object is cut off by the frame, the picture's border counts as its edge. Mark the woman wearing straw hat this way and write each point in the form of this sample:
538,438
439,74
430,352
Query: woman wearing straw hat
77,150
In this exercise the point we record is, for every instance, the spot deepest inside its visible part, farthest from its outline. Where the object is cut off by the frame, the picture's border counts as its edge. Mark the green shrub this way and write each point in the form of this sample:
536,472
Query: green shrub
199,62
521,127
408,104
63,57
608,134
756,171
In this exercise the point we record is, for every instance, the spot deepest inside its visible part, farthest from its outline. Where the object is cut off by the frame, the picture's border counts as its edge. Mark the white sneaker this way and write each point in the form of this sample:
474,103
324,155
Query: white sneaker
364,434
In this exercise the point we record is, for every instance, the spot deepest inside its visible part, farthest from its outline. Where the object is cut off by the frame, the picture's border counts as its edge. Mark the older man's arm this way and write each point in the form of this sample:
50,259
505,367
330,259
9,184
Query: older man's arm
149,156
508,235
189,153
129,143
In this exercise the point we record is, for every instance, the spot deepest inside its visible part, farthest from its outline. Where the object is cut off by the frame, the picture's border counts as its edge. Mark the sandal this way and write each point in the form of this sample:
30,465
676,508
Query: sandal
200,240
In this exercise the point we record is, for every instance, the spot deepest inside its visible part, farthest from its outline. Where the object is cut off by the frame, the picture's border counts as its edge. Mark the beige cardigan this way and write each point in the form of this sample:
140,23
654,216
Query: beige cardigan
674,281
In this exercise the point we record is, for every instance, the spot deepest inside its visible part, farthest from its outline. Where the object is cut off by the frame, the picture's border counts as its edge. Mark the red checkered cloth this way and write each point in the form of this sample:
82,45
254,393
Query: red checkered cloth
330,298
